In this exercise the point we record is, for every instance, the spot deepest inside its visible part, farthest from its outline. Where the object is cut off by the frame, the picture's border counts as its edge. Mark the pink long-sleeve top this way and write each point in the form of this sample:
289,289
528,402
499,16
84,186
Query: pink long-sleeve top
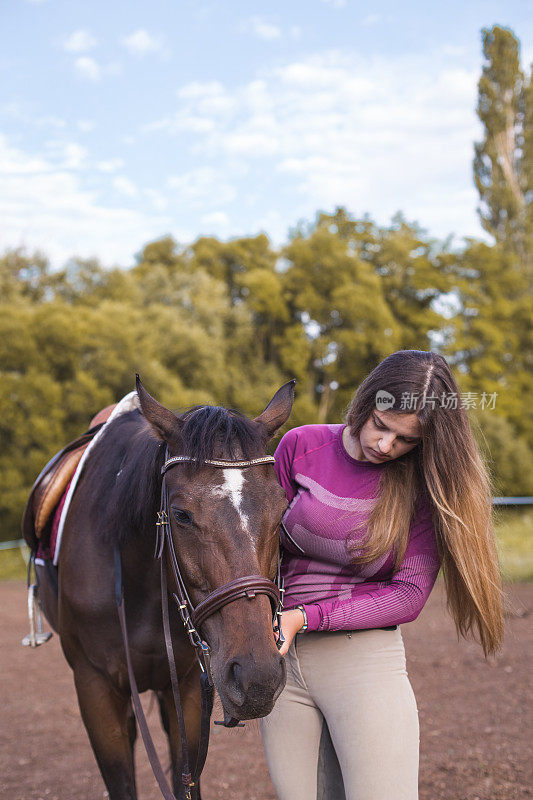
329,492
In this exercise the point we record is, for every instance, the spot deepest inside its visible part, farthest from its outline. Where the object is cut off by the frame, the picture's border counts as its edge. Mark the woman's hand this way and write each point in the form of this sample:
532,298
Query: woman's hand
292,621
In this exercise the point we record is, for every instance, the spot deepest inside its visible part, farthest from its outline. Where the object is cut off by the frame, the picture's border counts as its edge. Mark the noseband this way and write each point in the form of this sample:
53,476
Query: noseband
247,587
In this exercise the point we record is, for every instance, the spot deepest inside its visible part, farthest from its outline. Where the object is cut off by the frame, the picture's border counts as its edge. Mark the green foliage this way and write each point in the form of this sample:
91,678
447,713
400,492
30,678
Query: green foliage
507,454
75,346
490,340
338,299
229,322
514,532
13,564
23,277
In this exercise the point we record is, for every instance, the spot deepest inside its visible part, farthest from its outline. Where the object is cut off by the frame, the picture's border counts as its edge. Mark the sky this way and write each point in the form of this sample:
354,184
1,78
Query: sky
124,121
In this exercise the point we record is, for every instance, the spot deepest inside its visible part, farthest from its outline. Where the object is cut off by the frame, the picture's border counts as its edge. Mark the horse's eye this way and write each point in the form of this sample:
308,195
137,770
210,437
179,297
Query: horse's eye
182,517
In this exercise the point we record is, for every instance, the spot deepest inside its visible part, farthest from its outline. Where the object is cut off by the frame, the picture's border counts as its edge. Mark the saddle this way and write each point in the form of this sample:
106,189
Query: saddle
52,482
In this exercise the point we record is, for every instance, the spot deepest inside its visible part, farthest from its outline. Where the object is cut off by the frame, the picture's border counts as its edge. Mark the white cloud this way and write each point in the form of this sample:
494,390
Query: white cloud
88,68
110,165
218,219
336,3
141,42
373,134
180,122
74,156
201,187
49,121
262,29
43,205
27,116
66,155
80,41
125,186
372,19
85,125
453,50
14,162
198,90
526,55
376,135
158,200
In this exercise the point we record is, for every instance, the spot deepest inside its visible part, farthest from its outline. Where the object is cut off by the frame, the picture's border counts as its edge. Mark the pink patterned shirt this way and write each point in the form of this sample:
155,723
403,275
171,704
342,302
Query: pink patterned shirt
329,492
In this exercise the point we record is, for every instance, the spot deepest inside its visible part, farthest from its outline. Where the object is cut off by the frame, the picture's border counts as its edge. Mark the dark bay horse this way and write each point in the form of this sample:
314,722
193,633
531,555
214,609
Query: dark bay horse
224,525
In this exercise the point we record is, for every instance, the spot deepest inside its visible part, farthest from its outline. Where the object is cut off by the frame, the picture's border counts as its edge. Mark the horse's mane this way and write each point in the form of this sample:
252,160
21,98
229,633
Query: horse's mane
122,477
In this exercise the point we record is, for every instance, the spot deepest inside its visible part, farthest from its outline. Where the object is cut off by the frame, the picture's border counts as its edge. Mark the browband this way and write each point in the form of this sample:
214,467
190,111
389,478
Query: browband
170,462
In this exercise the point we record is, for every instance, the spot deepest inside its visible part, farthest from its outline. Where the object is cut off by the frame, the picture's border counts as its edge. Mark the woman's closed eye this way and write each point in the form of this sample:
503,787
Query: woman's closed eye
379,425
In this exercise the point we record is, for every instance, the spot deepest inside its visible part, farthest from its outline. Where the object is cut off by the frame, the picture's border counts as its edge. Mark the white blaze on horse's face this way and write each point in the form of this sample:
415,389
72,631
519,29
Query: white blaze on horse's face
232,489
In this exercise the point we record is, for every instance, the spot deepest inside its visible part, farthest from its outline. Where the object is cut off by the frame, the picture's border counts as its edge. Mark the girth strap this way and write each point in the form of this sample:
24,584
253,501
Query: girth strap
246,587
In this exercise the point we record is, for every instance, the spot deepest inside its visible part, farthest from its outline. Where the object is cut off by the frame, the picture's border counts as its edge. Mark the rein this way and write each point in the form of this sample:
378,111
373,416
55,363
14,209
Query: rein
193,618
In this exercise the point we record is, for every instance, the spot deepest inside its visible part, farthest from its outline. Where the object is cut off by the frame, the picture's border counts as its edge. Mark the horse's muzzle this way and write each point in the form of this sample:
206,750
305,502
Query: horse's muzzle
249,690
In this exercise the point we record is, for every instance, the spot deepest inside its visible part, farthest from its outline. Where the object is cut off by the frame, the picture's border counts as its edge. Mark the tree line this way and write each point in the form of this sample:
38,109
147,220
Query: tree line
228,322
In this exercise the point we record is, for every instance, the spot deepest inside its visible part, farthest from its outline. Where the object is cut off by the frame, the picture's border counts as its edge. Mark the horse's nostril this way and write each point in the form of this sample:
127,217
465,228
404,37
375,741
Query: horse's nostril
234,687
235,673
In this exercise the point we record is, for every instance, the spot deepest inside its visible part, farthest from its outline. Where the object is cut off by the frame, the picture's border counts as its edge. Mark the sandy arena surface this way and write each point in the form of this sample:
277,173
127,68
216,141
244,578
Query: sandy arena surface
475,716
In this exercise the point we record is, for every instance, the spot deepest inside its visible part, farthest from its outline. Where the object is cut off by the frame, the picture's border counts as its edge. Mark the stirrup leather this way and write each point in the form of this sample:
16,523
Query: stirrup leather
36,636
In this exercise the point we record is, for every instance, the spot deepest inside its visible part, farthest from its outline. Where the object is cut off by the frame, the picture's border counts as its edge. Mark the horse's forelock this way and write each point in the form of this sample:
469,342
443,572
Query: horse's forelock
212,431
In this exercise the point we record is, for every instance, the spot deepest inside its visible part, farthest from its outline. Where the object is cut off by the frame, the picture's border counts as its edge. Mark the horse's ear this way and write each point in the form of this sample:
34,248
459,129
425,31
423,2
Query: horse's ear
164,423
279,409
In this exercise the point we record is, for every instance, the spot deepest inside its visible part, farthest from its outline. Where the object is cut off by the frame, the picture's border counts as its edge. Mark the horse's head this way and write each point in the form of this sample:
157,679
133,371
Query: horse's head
224,526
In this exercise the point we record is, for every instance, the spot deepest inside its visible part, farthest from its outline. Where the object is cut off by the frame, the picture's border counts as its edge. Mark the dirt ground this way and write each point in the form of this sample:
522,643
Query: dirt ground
475,716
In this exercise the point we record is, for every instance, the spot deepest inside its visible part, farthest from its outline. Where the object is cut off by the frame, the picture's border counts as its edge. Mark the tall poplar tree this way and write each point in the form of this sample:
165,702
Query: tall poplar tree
493,342
527,170
502,173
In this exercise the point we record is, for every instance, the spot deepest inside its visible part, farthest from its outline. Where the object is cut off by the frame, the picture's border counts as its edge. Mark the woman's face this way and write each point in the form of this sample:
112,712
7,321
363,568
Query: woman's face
387,435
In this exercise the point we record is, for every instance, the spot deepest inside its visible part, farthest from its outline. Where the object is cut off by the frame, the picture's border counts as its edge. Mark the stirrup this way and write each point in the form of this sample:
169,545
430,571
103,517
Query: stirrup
36,636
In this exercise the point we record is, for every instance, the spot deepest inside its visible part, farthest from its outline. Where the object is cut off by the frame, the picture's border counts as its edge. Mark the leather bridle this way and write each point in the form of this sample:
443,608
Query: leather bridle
193,618
247,587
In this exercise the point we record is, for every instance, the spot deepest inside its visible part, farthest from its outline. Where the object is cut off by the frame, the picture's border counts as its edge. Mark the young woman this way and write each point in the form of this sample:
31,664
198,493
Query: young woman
376,507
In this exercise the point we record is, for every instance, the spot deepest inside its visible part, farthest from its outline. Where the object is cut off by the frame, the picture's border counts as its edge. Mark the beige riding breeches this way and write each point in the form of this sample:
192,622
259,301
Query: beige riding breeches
346,725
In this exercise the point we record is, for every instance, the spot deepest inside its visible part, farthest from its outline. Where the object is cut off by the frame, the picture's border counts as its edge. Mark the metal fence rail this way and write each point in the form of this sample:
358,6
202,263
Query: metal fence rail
12,545
512,501
19,544
496,501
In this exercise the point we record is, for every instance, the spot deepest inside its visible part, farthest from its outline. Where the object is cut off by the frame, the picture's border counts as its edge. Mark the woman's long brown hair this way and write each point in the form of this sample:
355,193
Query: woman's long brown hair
448,469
